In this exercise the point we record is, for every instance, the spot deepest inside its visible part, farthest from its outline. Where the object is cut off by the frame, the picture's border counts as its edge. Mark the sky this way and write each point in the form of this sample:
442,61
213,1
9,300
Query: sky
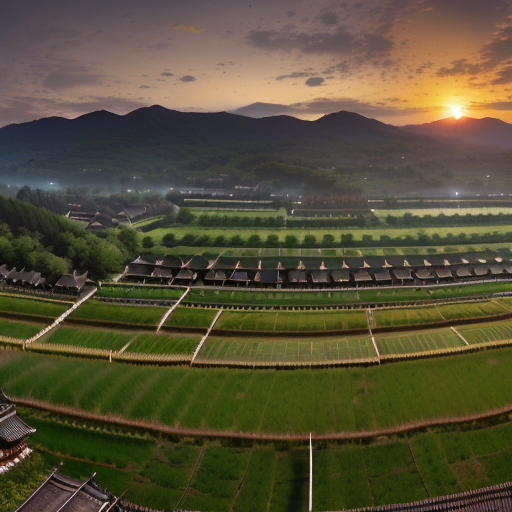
398,61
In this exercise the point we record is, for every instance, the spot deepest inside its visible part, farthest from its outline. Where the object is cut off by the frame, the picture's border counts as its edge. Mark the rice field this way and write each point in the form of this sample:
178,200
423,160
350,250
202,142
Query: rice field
21,330
419,341
113,313
89,338
158,473
300,401
32,307
488,332
279,350
292,321
164,344
191,317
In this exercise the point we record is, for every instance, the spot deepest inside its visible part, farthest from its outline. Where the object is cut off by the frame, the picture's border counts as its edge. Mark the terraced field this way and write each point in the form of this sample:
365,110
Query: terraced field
139,292
29,306
118,314
164,344
289,321
299,401
281,350
89,338
191,317
421,341
488,332
17,329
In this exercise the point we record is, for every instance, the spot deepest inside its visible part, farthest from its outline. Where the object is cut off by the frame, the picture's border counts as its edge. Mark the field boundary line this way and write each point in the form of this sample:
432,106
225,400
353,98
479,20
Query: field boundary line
192,476
198,348
459,335
171,309
241,482
62,317
417,468
369,316
158,428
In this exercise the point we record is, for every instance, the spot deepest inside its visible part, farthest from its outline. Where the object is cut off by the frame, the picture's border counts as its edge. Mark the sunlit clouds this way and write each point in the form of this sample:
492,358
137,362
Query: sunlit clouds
399,61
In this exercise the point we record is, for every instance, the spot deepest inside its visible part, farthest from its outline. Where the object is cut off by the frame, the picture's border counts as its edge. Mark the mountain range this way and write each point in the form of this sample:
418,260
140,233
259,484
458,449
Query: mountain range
344,150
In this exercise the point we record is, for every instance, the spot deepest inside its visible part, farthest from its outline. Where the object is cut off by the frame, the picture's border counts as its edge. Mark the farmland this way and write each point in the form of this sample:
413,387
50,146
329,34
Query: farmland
22,330
287,350
164,344
161,473
139,292
30,307
269,401
420,341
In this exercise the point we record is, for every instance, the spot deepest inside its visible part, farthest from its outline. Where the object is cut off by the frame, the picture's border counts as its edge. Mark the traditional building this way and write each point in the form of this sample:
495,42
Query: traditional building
13,432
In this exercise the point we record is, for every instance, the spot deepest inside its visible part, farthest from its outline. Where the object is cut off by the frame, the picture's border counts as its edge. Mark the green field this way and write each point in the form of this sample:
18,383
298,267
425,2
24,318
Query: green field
157,473
281,350
488,332
104,312
191,317
291,321
164,344
340,297
89,338
440,313
419,341
139,292
21,330
33,307
302,401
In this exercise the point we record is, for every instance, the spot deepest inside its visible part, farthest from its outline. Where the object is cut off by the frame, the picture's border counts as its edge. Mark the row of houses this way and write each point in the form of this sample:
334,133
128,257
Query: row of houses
320,272
33,280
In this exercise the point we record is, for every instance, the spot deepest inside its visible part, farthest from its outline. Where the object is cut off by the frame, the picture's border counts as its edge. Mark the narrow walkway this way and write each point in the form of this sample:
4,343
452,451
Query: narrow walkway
459,335
205,336
171,309
370,320
62,317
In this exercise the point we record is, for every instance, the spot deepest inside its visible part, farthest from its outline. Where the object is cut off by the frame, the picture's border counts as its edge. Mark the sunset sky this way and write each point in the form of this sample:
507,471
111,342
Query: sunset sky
399,61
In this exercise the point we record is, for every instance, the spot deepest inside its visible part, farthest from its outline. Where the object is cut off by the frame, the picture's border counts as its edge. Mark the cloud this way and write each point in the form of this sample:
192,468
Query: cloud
459,67
314,81
495,105
295,74
504,76
144,87
500,48
329,19
71,77
166,73
339,42
188,78
189,28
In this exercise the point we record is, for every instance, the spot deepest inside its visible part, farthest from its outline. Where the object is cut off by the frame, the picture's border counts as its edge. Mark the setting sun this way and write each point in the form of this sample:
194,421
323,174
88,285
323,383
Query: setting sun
456,111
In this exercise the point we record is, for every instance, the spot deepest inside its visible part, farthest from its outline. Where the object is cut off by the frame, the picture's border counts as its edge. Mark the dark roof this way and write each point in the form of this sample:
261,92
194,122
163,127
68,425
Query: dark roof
172,262
481,270
144,260
415,260
137,271
395,261
443,273
165,273
268,276
270,263
496,270
226,262
320,276
250,262
354,262
463,272
198,262
362,276
403,273
382,275
423,273
61,493
12,429
440,259
312,263
73,280
340,276
375,261
186,274
240,275
333,262
215,275
3,270
297,276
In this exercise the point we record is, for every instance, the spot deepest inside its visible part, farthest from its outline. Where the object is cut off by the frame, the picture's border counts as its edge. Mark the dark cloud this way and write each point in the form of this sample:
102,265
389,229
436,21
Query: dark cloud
329,19
188,78
496,105
295,74
314,81
144,87
500,48
423,67
339,42
69,78
503,76
166,73
459,67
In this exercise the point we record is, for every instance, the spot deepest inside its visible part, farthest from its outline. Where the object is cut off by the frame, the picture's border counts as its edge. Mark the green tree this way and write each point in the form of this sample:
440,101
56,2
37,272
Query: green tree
147,242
